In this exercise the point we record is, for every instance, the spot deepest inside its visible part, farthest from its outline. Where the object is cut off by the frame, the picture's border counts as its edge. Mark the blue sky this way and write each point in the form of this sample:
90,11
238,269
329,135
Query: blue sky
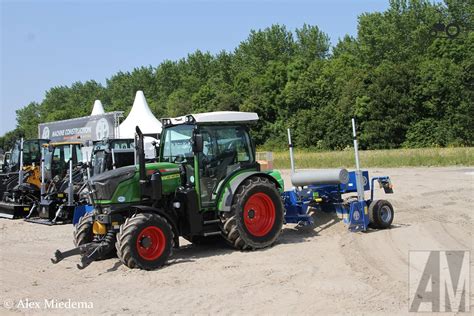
52,43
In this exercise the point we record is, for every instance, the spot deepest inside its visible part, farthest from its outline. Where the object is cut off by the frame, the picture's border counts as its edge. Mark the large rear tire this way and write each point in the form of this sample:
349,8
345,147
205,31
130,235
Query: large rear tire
381,214
144,241
256,216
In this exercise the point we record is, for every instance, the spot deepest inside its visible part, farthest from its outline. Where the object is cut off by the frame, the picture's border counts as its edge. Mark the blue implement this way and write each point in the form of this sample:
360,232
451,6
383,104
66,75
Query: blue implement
80,211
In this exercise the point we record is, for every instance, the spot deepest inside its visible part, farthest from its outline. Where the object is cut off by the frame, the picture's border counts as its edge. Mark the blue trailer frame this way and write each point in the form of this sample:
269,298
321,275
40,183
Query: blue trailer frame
329,197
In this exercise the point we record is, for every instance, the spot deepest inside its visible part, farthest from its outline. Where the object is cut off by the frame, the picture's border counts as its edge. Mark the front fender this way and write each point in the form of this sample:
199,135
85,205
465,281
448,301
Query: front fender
226,195
171,221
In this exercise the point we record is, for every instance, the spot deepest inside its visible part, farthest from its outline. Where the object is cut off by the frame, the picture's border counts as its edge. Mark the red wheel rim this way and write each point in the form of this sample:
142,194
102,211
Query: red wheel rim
151,243
259,214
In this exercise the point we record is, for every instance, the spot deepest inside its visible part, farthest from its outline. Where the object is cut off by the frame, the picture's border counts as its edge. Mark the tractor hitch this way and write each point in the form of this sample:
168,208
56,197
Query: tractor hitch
88,252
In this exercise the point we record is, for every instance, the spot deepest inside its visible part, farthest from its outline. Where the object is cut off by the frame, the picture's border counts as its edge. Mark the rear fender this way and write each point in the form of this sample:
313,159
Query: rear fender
227,194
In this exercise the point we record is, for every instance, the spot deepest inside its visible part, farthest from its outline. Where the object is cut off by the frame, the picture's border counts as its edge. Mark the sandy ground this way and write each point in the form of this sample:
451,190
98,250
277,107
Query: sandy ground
325,270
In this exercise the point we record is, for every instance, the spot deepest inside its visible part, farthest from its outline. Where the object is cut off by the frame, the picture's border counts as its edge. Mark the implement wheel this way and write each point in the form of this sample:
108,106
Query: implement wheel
144,241
380,214
256,216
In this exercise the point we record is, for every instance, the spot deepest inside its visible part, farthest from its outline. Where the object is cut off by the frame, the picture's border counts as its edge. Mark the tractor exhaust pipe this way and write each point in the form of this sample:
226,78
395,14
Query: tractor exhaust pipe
292,158
135,150
359,178
141,158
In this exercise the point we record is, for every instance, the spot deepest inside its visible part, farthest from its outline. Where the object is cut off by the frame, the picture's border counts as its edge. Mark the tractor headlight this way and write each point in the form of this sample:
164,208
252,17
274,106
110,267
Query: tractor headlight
99,228
189,119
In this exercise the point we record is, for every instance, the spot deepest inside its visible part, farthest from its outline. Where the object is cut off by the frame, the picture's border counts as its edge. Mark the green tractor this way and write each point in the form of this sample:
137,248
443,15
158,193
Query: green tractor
206,183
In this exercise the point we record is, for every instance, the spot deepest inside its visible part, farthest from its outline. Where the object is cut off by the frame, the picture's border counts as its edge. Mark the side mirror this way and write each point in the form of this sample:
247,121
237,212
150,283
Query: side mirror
197,143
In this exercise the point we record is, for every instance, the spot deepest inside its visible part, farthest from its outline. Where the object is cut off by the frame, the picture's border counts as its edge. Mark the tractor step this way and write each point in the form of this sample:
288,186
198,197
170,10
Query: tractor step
13,210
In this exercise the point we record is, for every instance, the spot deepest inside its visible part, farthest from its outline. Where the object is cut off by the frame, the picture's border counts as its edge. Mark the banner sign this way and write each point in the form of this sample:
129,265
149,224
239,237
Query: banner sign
88,128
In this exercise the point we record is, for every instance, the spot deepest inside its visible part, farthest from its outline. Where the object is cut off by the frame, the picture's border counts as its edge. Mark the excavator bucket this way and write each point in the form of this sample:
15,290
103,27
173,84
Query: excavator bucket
13,210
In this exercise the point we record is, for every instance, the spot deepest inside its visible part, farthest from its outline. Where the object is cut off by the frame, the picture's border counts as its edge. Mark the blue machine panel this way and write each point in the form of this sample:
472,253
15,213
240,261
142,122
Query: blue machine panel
80,211
351,186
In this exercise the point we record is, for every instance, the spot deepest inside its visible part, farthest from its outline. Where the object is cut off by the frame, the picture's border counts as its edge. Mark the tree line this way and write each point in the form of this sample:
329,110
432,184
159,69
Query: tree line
405,86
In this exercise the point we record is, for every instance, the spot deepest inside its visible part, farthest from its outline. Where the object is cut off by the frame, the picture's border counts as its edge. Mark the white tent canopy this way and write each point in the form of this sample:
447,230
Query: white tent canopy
142,116
98,108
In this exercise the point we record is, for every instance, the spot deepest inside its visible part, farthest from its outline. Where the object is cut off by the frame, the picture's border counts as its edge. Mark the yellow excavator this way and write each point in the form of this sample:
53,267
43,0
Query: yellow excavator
20,184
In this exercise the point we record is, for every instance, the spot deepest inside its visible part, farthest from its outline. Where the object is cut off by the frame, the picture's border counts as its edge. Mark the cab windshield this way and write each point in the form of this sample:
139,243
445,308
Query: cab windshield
176,142
31,153
114,144
57,159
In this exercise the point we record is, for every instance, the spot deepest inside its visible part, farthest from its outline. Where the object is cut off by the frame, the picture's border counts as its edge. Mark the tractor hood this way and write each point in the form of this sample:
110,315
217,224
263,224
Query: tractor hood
121,185
106,183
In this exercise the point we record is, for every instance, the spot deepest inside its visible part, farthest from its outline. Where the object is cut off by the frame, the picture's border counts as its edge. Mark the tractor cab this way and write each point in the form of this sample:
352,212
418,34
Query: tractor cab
57,156
31,154
5,161
110,154
211,147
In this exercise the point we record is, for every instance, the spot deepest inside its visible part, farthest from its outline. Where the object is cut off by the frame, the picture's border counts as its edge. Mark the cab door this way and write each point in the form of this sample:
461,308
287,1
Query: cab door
226,149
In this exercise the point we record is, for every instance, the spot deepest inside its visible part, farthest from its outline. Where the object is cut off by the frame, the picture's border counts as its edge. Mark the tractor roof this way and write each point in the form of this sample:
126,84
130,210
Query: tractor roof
213,117
32,140
61,144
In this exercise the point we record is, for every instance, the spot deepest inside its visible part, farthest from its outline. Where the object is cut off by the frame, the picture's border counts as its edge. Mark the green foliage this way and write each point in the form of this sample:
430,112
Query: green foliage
389,158
404,87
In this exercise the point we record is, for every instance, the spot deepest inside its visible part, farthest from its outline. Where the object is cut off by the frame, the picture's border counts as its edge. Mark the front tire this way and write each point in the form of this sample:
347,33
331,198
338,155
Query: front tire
144,241
256,216
83,231
84,234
